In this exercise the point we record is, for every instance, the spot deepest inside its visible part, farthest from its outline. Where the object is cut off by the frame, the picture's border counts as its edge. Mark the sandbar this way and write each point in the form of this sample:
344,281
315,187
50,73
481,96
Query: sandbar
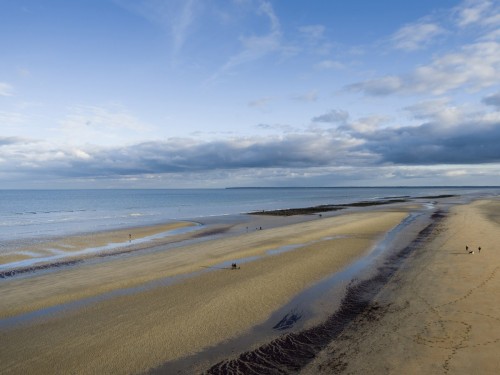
85,245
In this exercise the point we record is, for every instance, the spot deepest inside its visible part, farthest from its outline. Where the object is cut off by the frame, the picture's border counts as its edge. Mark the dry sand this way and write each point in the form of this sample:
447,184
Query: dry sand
439,315
131,333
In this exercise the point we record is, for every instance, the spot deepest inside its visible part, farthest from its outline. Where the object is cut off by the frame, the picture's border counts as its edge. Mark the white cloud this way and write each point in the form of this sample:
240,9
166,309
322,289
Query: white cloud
473,12
370,124
474,67
182,23
493,20
438,111
314,40
456,172
175,16
256,47
5,89
493,100
310,96
23,72
493,35
261,103
379,86
80,154
416,36
312,31
329,64
334,116
12,119
281,128
101,125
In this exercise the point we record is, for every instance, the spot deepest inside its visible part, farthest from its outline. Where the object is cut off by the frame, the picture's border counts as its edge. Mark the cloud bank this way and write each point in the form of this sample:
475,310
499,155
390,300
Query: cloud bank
469,139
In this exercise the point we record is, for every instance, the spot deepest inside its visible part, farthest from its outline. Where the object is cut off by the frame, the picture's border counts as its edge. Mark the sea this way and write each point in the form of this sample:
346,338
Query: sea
29,216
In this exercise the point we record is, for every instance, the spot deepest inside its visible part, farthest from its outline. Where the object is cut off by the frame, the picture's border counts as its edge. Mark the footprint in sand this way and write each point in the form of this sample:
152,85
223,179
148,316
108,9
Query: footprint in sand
456,334
443,333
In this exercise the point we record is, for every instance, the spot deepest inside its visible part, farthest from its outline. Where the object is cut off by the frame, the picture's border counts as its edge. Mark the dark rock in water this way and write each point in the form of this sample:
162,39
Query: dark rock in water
325,208
438,196
288,320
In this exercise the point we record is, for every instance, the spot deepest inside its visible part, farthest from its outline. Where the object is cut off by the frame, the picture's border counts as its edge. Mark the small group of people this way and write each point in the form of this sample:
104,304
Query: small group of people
472,251
234,266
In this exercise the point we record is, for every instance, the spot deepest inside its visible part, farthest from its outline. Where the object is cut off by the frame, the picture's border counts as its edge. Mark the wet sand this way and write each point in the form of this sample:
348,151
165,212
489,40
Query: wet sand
439,314
86,245
139,329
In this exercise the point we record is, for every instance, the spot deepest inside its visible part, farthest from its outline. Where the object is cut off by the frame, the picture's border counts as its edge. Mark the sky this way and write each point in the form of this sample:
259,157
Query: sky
219,93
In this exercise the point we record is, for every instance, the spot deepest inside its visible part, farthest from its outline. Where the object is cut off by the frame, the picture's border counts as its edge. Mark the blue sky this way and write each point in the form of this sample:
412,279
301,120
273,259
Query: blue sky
211,93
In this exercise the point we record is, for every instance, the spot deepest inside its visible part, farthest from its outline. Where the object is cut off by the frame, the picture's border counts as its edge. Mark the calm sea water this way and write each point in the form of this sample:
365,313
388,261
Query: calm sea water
33,215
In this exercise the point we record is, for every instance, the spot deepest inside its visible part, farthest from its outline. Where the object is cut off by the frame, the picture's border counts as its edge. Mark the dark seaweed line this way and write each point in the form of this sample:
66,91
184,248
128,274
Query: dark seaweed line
10,273
291,352
325,208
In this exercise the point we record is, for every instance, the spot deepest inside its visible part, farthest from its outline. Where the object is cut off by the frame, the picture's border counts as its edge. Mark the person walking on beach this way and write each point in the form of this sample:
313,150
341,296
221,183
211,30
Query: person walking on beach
466,248
479,249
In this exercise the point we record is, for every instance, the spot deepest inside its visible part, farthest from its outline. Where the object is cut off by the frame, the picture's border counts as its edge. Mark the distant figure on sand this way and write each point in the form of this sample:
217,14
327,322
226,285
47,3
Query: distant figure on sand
466,248
234,266
129,237
479,249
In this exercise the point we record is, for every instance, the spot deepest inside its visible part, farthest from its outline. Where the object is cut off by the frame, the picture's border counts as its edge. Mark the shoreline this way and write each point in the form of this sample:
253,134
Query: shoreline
69,250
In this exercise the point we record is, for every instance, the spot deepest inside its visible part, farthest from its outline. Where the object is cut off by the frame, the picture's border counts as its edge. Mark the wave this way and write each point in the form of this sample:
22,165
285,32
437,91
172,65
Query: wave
51,212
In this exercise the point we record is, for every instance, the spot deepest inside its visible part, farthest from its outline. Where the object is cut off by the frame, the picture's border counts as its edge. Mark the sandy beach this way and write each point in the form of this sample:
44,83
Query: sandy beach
137,312
116,320
439,314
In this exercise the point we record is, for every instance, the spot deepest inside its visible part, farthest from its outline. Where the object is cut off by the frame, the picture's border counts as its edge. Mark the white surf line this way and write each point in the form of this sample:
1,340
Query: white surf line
61,254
